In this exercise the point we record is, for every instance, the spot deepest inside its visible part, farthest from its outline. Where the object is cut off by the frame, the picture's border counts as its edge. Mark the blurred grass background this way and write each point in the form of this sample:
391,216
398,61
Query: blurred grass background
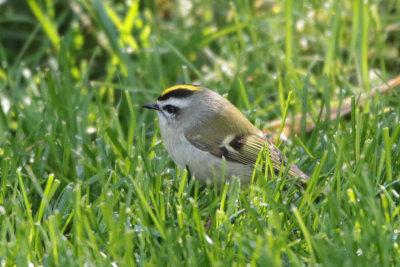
86,180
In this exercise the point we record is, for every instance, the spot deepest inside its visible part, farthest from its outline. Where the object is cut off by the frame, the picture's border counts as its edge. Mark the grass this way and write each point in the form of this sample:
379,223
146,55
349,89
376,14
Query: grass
85,178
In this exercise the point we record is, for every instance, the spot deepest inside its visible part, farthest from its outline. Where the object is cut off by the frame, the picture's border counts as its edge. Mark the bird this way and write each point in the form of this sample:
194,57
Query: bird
206,133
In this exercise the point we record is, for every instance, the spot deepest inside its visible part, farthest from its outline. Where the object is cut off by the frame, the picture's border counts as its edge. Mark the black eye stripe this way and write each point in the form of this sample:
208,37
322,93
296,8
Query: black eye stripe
170,109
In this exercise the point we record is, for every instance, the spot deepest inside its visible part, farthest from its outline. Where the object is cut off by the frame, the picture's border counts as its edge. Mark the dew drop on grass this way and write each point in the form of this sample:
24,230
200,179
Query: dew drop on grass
27,73
129,50
208,239
5,104
394,238
138,228
91,130
225,69
395,193
344,167
103,254
328,33
2,210
304,43
27,101
311,15
53,63
300,25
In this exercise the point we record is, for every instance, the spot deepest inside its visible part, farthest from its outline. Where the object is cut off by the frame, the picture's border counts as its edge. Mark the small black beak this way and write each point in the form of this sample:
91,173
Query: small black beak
151,106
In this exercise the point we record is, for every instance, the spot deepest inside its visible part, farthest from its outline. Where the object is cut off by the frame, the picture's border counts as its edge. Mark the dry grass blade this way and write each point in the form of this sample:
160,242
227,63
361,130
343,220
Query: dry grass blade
293,126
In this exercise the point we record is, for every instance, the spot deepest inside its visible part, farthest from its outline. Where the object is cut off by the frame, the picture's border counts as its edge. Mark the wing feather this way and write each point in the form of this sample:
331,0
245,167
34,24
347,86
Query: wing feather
238,142
246,150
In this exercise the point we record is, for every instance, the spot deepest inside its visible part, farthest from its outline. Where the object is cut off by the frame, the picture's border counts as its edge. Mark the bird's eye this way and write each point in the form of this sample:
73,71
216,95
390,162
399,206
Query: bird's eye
170,109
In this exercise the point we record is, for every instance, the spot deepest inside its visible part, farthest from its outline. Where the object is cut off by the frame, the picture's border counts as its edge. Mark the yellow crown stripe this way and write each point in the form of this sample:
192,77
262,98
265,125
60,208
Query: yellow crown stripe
183,86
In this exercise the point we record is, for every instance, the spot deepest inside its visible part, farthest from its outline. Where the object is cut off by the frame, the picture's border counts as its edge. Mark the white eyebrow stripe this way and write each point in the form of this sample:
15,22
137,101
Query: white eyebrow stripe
180,103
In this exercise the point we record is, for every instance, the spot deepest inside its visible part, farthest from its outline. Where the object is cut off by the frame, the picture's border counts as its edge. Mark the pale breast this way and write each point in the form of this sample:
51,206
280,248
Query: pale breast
202,164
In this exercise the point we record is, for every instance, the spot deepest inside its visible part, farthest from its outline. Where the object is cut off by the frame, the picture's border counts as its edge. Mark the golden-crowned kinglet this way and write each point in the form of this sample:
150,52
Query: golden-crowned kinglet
200,128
